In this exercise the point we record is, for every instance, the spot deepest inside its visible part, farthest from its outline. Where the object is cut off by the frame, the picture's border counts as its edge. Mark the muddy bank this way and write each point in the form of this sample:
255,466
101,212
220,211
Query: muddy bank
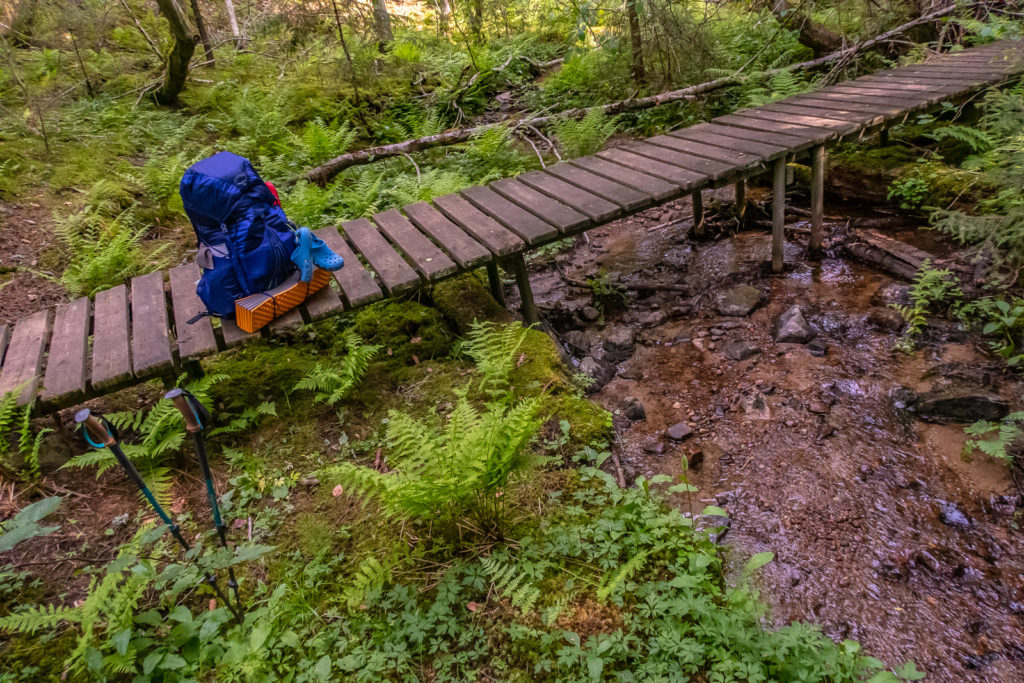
882,531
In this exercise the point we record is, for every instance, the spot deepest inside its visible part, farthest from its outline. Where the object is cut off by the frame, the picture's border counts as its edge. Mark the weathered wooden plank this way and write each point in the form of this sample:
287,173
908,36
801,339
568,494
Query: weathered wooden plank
896,108
356,282
233,334
67,362
866,109
466,251
708,167
151,337
927,73
906,99
790,142
912,86
531,228
111,341
397,275
499,239
23,363
428,259
805,108
626,197
733,158
586,203
810,135
684,180
840,127
709,134
288,321
323,303
565,218
194,339
648,184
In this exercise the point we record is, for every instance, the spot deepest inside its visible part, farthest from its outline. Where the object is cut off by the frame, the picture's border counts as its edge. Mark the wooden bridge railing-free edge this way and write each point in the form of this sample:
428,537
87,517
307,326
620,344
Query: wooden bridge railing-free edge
138,331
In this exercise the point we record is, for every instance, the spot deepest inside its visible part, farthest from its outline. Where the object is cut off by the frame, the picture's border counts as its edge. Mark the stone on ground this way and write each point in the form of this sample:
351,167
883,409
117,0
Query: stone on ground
740,349
739,301
792,327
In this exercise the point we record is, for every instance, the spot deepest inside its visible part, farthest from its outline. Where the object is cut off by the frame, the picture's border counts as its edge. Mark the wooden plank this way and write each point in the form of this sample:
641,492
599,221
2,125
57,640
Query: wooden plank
196,339
902,98
684,180
565,218
586,203
709,134
867,109
397,275
111,342
428,259
810,135
66,364
290,320
648,184
322,304
626,197
790,141
907,85
466,251
23,363
860,118
928,73
840,127
734,158
896,108
531,228
233,334
712,169
151,337
493,235
356,283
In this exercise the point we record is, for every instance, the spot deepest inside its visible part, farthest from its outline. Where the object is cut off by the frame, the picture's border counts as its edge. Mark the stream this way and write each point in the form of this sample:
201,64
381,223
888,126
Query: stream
882,531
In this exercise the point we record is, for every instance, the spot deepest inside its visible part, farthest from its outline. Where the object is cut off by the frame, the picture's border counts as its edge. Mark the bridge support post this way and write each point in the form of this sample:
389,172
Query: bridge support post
697,200
740,207
529,309
883,137
494,281
778,214
817,199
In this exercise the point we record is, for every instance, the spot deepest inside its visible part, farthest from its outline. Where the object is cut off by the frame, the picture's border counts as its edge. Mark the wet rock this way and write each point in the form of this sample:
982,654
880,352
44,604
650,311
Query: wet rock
695,456
633,409
54,452
654,447
740,349
619,344
739,301
951,515
599,371
679,431
885,319
628,474
650,319
680,310
577,341
891,293
589,313
755,406
632,373
817,347
961,404
792,327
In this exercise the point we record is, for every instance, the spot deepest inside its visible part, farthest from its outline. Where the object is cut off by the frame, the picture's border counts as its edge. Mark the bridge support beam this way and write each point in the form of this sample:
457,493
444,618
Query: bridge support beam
697,199
529,309
778,214
740,207
494,281
883,137
817,199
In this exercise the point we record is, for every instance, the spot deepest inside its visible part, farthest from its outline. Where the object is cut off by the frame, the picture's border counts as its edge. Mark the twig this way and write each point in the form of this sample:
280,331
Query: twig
418,176
145,35
535,151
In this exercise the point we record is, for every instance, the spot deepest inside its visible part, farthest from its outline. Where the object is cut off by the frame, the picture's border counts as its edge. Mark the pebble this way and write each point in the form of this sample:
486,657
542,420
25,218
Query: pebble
679,431
654,447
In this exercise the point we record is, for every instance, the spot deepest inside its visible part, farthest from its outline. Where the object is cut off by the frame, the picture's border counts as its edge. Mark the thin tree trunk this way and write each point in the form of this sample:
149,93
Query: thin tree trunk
203,35
81,64
476,20
443,10
229,6
138,25
382,24
636,42
180,54
344,47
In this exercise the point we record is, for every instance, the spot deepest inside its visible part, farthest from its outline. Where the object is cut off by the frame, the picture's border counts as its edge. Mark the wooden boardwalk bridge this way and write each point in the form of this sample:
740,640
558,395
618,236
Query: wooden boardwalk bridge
138,331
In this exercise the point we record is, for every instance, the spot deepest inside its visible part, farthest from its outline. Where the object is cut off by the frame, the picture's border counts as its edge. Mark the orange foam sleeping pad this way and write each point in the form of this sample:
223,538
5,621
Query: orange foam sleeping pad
256,310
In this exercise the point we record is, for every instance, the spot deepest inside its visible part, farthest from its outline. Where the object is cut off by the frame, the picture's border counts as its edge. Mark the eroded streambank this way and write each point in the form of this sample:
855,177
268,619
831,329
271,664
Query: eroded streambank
882,531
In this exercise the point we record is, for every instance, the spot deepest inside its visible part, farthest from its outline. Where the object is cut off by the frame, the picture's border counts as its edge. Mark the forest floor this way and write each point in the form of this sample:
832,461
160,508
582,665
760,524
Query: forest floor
883,531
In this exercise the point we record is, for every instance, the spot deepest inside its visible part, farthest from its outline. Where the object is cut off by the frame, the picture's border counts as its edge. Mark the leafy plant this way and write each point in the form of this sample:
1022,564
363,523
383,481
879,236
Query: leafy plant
580,137
333,384
932,288
511,583
494,349
606,293
996,439
25,524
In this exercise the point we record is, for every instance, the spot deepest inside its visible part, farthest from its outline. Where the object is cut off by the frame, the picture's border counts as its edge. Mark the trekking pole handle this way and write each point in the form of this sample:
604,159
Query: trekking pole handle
96,430
181,402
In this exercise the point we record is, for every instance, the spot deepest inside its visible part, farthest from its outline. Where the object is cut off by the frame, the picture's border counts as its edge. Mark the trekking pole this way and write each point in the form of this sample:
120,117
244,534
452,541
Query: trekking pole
196,417
99,433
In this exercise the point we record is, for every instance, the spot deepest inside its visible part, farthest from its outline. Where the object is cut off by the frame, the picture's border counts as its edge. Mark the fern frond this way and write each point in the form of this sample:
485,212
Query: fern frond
36,618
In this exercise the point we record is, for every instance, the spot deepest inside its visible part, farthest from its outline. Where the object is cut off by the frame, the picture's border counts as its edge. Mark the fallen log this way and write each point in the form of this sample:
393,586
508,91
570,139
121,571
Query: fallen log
324,172
886,254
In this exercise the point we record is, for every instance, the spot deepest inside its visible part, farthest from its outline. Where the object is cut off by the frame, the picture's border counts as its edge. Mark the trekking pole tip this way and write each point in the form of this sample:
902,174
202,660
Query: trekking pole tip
95,432
179,398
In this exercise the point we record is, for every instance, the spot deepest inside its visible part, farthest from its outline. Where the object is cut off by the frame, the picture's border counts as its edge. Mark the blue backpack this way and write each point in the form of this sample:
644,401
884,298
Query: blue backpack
245,240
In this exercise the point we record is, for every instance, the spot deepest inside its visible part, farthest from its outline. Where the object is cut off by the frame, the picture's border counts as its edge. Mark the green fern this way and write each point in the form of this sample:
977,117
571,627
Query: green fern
333,384
780,86
494,348
616,578
369,576
1002,437
933,289
320,142
977,140
511,583
580,137
29,443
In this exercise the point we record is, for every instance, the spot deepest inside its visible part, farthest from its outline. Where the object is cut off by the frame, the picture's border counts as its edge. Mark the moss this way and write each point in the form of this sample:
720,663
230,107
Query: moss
405,329
872,160
312,533
260,371
465,299
540,366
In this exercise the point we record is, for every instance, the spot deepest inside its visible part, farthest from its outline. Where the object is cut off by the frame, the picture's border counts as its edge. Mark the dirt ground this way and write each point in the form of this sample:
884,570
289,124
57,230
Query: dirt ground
26,285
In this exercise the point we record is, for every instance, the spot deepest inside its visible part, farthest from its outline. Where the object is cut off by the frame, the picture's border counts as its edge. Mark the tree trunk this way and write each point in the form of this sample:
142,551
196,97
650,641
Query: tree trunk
820,39
636,42
382,24
203,35
20,32
229,6
443,11
178,56
476,20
